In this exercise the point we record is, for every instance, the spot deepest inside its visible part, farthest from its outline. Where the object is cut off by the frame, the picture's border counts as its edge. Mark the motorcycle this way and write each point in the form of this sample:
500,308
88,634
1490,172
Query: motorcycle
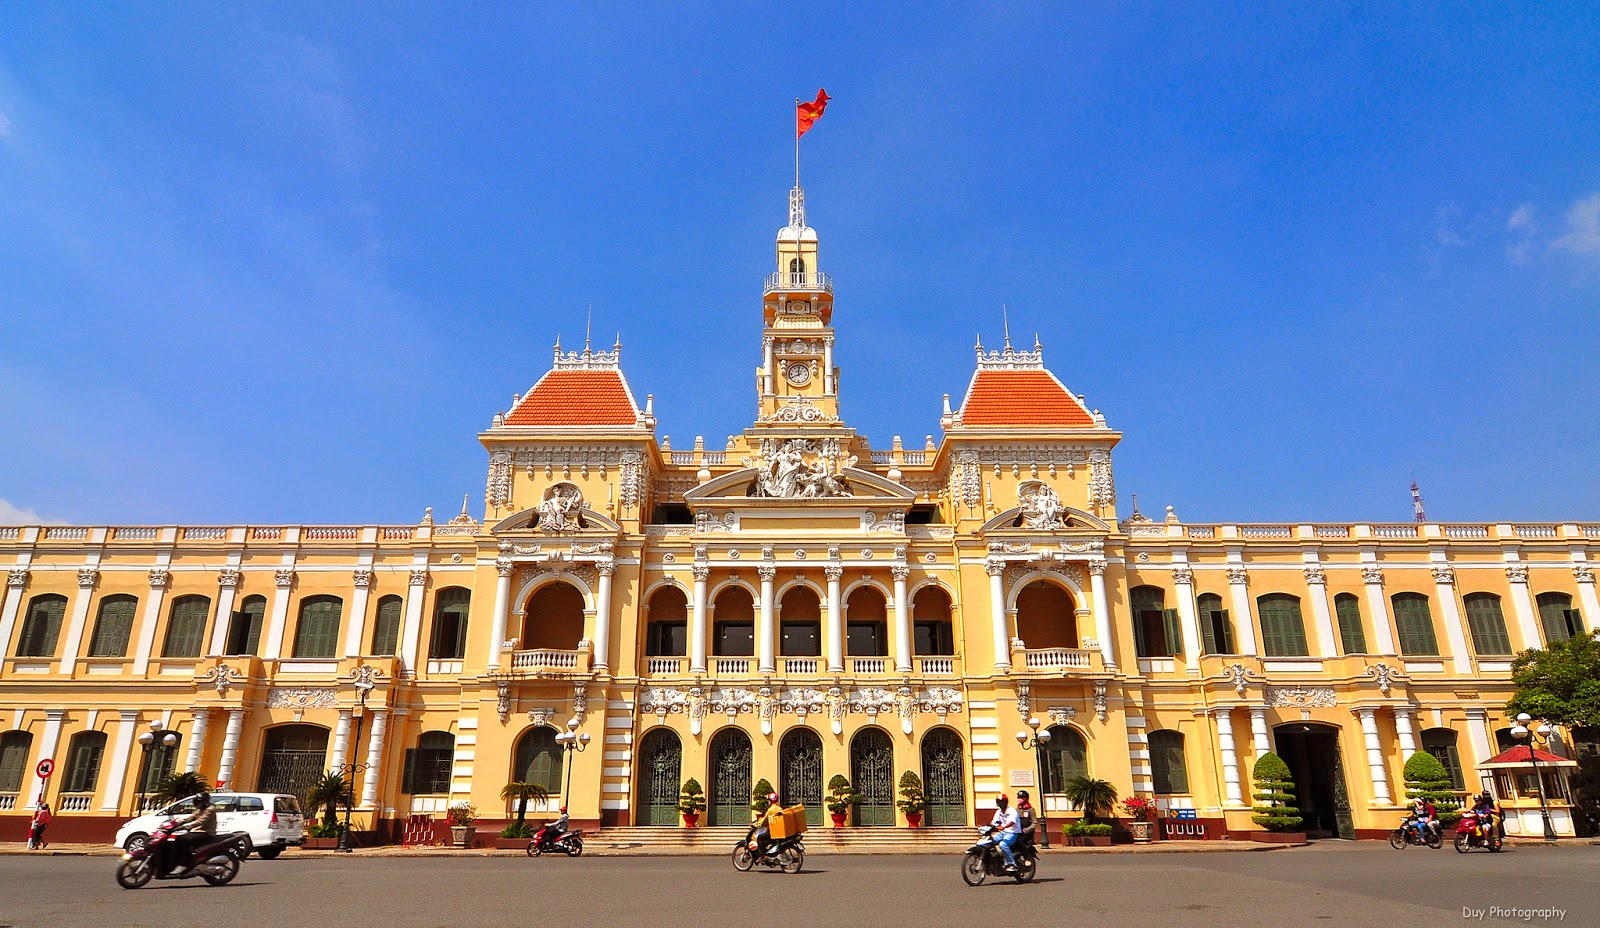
1469,834
787,854
985,859
217,861
547,838
1408,833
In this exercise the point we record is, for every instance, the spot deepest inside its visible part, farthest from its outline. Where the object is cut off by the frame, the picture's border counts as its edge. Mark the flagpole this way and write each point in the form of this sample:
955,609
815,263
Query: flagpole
797,143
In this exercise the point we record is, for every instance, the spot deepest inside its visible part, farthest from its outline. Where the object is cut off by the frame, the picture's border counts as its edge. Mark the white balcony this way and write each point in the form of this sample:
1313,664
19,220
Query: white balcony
801,665
731,666
664,665
1058,659
786,282
866,665
74,802
545,660
936,666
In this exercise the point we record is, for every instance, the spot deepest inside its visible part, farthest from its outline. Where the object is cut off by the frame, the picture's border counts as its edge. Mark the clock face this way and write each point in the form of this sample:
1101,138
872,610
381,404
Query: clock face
798,373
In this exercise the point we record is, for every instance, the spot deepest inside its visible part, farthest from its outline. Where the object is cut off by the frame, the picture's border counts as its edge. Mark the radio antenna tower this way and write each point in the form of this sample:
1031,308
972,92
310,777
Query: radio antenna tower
1416,502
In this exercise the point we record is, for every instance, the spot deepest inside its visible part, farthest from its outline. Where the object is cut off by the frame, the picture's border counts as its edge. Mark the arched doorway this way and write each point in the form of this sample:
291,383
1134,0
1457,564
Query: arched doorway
538,760
872,774
800,623
1046,616
553,618
944,782
800,772
660,768
293,758
730,778
1317,767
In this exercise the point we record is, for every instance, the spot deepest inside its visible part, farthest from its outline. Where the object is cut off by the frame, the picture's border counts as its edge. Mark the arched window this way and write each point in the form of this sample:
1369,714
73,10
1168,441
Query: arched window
1441,743
553,619
538,759
800,623
83,762
1283,628
1488,625
14,748
1155,628
1216,632
1065,757
429,764
667,627
244,627
1414,623
1046,616
316,635
450,610
865,615
1168,767
797,268
1503,740
42,626
930,617
1352,636
386,630
1560,620
113,626
734,613
186,626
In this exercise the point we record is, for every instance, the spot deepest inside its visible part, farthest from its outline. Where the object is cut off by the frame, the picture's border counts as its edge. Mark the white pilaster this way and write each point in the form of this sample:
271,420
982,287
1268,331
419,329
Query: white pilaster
230,746
341,741
369,785
902,620
16,580
1455,630
356,629
1522,606
227,591
997,615
1233,796
412,638
502,609
834,573
1584,574
697,625
278,621
1382,624
1103,627
49,740
766,633
827,366
602,616
767,366
197,740
1183,586
1405,730
80,614
1244,622
149,623
1260,737
1380,775
122,746
1322,615
1478,734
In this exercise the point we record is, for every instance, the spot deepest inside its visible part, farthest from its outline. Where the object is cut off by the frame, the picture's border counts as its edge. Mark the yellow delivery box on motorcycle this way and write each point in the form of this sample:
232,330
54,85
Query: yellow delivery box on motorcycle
792,822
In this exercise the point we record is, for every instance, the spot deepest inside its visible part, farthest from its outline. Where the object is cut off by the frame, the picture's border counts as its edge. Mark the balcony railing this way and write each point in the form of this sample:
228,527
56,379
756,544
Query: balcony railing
784,280
1058,659
860,665
799,665
544,659
726,666
664,665
936,666
8,802
75,802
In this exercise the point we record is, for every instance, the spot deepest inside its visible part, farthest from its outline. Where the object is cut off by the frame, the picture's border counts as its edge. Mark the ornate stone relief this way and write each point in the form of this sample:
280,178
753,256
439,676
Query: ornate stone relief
1519,574
632,477
1238,575
1240,676
361,577
1444,575
560,509
1299,697
1061,715
1102,488
1372,575
798,468
228,578
1100,700
1385,676
305,697
502,703
542,715
1583,574
498,491
1024,699
1182,575
283,577
580,697
1041,506
17,577
968,482
222,678
1314,574
159,578
893,523
709,522
419,576
88,575
799,410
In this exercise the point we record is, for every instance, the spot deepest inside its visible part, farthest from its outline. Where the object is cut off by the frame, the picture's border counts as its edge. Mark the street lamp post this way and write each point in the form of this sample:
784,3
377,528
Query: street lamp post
571,742
363,687
1036,743
147,741
1533,737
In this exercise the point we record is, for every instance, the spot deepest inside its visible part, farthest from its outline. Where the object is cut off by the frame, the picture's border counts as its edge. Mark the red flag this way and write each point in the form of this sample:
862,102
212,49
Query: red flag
805,114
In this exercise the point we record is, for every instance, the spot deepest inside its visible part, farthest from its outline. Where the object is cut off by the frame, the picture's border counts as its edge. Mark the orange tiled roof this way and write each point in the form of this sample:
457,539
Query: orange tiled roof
1022,397
576,397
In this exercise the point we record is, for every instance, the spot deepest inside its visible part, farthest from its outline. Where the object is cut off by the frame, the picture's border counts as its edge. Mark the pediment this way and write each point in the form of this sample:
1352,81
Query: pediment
1072,520
860,485
526,522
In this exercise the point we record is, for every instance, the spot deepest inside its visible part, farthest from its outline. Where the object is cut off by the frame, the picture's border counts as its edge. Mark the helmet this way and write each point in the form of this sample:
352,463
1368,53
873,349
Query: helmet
1022,794
772,798
1485,796
563,808
1001,800
202,800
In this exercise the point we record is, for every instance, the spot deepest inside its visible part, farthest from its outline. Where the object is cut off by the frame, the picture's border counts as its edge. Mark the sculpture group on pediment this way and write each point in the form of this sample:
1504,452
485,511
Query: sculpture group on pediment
798,468
1041,507
558,510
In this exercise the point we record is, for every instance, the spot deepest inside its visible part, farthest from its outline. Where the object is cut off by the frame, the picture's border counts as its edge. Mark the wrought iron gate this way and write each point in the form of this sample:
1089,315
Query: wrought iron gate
730,778
291,772
943,778
660,767
872,773
800,772
1344,821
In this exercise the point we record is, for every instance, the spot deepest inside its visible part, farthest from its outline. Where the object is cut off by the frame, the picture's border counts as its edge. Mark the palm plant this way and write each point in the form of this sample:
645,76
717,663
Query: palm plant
328,792
1094,797
180,786
522,793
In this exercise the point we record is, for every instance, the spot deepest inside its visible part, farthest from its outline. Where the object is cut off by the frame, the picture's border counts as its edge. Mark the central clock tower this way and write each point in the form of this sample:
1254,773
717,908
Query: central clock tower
797,382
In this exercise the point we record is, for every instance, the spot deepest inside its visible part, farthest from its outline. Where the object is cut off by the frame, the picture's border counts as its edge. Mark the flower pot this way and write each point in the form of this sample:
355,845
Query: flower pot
1087,840
1141,831
914,819
1277,837
462,835
691,819
838,818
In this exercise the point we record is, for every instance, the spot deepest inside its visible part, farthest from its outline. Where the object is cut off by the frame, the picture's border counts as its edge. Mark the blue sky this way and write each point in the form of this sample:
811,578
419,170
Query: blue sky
281,262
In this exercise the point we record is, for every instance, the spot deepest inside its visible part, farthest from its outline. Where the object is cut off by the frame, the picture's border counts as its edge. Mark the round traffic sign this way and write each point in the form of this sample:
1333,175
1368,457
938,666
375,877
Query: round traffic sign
45,768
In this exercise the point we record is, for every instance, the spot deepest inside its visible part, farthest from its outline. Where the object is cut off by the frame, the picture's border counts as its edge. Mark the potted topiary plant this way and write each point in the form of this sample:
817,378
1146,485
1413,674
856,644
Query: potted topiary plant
841,796
691,802
912,802
758,797
1426,779
1141,818
462,817
1275,793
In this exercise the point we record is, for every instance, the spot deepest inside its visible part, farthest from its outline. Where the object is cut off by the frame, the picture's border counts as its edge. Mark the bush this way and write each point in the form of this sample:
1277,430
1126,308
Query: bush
462,814
692,799
517,830
911,789
841,795
1427,779
325,830
1085,830
1094,797
1275,792
758,796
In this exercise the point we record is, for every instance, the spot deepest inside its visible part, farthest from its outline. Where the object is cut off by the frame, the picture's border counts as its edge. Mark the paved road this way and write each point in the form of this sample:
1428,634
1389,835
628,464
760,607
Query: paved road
1335,884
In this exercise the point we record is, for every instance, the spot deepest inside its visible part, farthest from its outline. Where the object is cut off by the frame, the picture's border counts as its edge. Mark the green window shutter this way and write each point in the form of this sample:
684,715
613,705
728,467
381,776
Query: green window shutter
1224,633
186,626
14,747
1574,623
1414,623
83,762
1555,615
114,627
1174,628
1487,623
1352,637
408,779
1208,627
1168,769
317,635
386,633
42,626
1283,630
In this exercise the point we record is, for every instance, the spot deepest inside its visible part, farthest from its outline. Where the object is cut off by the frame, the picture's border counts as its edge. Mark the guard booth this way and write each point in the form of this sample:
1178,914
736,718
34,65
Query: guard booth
1528,782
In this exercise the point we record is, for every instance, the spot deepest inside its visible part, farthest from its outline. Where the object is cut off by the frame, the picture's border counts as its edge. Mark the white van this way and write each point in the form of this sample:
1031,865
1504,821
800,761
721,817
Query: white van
273,821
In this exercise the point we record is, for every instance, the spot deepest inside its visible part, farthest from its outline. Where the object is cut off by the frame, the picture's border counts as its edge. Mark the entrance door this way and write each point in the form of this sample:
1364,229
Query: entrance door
1312,753
872,774
943,778
800,772
293,759
660,766
730,778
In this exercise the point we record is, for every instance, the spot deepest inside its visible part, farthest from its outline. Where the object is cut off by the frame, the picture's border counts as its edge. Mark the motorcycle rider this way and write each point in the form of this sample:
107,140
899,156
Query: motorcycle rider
1027,820
1006,830
1484,808
554,830
763,835
199,827
1424,817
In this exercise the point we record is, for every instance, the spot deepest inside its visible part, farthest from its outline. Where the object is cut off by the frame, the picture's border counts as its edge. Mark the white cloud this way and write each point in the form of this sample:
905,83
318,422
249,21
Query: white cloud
1448,228
1521,218
1520,228
1583,227
12,515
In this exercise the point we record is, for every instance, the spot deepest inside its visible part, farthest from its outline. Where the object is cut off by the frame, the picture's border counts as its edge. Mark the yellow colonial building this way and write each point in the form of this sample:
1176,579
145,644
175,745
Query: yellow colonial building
787,604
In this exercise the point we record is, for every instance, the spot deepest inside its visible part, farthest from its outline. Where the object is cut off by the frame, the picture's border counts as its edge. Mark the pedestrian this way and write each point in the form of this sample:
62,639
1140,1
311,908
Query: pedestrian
41,821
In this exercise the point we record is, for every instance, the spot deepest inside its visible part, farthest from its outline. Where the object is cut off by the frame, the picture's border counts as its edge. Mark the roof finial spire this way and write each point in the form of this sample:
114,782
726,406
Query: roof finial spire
1005,323
588,323
1416,502
464,498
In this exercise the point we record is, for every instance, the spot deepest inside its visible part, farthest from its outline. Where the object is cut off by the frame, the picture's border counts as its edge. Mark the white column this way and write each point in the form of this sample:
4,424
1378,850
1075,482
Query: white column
16,579
197,740
1382,625
1230,757
834,574
502,609
766,634
227,590
341,741
356,628
1522,607
1380,775
1260,738
369,786
1244,622
827,366
1444,583
602,616
1328,638
1183,585
1478,734
902,620
1584,574
697,624
413,633
767,365
48,741
127,730
997,615
1405,730
79,618
278,621
230,746
152,618
1103,628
